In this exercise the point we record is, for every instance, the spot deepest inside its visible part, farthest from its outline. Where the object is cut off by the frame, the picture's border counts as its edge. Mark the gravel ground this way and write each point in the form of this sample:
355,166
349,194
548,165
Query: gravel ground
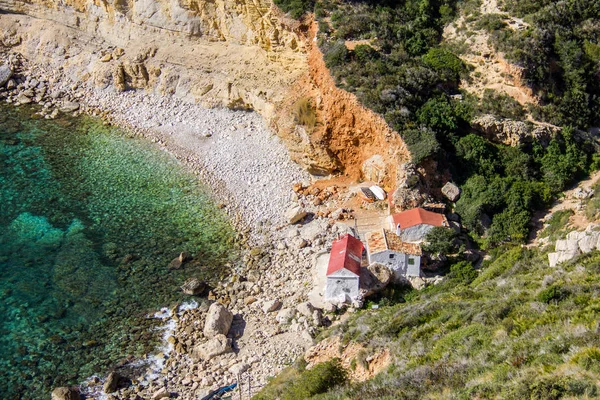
234,152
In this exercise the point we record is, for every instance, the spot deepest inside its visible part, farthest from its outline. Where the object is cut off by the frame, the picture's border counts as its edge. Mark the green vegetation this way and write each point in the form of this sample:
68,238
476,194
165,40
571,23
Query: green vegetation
559,52
409,77
556,223
519,330
297,383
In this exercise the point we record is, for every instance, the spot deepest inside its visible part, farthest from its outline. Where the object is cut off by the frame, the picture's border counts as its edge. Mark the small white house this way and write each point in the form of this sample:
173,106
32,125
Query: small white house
413,225
343,270
385,247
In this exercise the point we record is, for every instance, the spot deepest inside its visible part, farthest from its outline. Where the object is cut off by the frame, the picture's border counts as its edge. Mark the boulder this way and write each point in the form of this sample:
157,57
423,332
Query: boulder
216,346
5,74
111,383
193,286
239,368
271,305
176,263
65,393
218,320
451,191
161,393
295,214
23,99
374,278
285,315
305,309
69,106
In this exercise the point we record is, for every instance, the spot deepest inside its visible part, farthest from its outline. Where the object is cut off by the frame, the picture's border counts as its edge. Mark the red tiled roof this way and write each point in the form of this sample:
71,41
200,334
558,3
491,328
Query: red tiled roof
418,216
345,253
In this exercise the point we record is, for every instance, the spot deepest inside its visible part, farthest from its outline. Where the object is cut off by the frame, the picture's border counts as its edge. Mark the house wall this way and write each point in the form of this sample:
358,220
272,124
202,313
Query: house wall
341,289
415,234
399,263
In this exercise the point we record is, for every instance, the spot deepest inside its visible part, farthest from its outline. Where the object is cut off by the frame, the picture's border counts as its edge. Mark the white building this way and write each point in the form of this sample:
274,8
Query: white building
343,270
413,225
385,247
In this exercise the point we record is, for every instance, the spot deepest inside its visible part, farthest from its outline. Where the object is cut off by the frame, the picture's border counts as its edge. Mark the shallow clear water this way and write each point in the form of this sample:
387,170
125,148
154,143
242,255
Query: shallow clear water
89,221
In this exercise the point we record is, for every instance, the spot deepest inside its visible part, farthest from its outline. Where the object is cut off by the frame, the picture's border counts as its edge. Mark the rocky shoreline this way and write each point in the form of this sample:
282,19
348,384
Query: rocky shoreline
250,172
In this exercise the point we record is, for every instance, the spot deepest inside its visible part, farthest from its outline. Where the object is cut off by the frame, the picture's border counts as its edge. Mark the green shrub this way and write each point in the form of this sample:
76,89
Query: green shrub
443,60
336,54
588,359
421,143
316,380
491,22
501,105
296,8
463,272
441,241
557,222
554,293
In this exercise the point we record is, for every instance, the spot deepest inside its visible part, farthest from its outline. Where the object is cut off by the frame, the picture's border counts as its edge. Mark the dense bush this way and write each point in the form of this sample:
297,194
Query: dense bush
463,272
441,241
300,384
559,53
296,8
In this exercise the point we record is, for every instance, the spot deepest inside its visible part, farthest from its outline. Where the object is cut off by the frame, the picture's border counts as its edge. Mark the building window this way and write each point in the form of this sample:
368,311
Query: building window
411,261
391,256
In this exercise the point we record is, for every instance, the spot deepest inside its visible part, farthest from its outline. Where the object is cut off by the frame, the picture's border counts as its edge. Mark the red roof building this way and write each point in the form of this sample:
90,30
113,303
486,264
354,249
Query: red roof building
418,216
346,253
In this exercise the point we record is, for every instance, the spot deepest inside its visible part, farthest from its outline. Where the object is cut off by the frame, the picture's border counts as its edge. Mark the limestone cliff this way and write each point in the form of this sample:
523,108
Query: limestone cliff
221,53
232,53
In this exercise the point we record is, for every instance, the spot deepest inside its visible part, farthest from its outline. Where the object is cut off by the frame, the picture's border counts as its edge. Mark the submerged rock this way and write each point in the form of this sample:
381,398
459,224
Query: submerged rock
193,287
65,393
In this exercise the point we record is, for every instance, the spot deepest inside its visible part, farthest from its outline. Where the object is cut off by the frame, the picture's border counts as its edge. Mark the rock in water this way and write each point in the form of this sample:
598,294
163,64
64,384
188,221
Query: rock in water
218,320
193,287
111,383
451,191
5,74
65,393
214,347
69,106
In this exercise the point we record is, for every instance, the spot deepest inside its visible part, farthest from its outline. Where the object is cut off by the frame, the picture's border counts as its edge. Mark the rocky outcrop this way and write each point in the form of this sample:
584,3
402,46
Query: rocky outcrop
451,191
513,133
576,243
361,363
374,279
346,134
240,54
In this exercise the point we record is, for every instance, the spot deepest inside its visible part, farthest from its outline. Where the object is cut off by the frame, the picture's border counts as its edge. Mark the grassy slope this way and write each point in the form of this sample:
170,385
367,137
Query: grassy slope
519,330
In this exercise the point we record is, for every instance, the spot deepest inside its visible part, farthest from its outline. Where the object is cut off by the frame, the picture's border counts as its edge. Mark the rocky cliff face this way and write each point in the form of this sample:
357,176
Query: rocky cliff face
233,53
221,53
347,137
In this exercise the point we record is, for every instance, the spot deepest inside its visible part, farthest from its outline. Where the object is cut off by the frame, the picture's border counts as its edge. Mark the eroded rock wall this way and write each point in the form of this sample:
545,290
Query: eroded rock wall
347,135
221,53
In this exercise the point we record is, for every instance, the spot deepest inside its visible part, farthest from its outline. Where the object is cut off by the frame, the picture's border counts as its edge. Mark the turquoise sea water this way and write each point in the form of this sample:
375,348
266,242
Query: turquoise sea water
89,221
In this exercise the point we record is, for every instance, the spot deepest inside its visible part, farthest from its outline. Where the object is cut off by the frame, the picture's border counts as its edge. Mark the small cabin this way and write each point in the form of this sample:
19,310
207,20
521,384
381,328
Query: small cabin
413,225
343,270
402,258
